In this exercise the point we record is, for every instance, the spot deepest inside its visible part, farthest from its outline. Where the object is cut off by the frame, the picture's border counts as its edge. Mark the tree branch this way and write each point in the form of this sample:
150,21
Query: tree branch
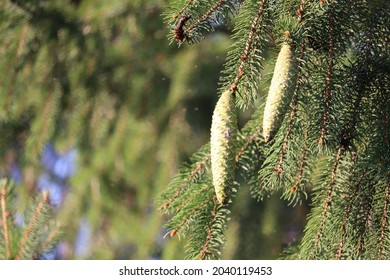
4,216
327,200
329,74
38,210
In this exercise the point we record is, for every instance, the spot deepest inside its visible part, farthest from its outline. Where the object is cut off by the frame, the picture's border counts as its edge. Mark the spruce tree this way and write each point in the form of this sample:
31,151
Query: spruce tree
321,133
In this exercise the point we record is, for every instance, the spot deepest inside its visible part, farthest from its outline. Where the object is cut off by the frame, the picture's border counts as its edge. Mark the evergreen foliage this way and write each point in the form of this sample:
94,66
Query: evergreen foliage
33,234
333,144
99,107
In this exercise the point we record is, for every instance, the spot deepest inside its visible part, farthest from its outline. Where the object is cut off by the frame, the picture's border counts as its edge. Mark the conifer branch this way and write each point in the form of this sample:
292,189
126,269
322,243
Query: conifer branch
331,26
189,178
249,44
206,15
45,244
13,62
38,211
366,219
202,14
338,79
205,250
46,118
4,216
189,216
179,13
253,137
345,218
191,197
327,200
384,221
278,168
301,165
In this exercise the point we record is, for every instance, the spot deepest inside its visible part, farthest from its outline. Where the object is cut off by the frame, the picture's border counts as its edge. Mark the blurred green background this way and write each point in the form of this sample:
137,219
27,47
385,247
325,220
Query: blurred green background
99,107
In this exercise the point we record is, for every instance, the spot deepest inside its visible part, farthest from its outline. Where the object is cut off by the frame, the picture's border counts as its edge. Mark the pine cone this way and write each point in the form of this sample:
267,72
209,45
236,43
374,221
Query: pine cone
223,146
280,92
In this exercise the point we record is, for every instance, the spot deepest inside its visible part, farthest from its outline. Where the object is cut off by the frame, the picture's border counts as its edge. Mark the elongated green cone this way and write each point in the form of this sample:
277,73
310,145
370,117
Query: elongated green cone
280,92
223,146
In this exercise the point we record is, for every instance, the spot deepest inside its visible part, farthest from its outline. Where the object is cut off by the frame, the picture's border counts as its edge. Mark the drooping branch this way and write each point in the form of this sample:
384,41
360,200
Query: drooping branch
249,44
301,165
345,218
329,75
328,199
205,250
367,220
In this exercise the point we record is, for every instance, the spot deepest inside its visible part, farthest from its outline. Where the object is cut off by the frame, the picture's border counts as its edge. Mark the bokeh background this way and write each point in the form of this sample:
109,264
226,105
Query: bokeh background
98,107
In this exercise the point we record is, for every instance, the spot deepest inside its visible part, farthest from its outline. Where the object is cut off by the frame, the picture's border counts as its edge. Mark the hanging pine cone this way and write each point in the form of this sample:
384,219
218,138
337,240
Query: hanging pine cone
223,146
280,92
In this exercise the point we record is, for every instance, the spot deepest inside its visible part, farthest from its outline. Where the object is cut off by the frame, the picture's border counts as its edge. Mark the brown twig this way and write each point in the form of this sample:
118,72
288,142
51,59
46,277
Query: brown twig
248,44
4,212
206,15
252,138
182,9
204,188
